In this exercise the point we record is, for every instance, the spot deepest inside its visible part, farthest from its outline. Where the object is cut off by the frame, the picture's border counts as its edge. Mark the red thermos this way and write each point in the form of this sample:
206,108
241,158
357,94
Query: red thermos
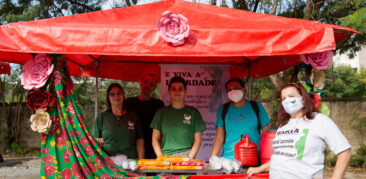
246,151
265,146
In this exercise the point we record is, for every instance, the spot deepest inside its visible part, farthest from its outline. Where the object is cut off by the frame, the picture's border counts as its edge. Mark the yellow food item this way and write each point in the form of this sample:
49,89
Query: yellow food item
169,158
152,162
186,167
153,167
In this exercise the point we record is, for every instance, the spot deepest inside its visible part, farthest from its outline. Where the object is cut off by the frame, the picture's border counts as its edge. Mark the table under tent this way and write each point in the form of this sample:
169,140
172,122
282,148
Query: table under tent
123,43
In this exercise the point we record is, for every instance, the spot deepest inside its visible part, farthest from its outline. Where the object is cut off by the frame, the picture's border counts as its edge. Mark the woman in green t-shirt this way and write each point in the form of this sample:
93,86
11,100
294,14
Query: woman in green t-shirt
179,125
117,130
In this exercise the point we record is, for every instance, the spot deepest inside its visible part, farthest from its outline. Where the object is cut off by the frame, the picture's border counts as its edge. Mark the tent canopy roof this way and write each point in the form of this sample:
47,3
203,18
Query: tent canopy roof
123,43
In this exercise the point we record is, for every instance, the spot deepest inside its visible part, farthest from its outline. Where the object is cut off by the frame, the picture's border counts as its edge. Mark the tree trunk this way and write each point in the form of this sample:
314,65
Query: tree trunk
255,5
128,3
311,7
274,7
213,2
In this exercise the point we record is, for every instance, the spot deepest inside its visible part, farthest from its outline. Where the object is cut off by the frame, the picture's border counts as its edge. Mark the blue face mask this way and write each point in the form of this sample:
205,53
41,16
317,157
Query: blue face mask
292,104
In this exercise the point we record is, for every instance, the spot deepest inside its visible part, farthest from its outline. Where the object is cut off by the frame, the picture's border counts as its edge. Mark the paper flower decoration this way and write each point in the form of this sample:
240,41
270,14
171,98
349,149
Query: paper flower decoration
319,60
36,72
41,121
173,28
39,99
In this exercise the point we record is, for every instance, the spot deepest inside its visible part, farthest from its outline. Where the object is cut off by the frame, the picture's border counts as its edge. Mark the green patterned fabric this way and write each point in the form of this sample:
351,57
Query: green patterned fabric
69,150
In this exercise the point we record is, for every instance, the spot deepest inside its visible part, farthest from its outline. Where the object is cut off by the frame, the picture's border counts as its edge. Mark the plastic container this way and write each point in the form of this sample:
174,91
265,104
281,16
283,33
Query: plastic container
265,146
246,152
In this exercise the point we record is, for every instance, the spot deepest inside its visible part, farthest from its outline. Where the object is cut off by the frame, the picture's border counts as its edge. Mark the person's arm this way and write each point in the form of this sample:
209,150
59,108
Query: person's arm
96,130
219,141
155,142
140,148
196,145
341,164
263,168
265,128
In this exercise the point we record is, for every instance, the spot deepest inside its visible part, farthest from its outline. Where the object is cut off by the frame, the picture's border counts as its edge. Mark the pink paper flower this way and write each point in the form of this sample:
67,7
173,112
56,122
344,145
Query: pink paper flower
319,60
173,28
36,72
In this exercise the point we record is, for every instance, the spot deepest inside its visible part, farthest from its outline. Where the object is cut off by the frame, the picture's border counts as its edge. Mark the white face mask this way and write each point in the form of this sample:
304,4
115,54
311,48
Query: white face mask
235,95
292,104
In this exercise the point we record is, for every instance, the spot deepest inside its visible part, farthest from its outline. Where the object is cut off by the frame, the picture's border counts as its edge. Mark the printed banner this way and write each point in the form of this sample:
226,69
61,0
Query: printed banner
205,91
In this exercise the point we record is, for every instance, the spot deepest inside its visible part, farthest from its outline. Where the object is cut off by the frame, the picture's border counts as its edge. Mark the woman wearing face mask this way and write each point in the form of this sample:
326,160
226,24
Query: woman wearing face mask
302,138
240,119
117,130
180,125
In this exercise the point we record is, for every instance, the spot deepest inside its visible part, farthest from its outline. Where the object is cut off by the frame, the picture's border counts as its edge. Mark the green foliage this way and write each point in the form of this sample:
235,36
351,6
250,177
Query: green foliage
19,151
359,124
344,81
262,89
26,10
357,161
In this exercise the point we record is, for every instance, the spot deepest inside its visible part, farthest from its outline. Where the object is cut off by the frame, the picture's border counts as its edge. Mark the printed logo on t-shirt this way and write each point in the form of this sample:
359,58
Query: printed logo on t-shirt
187,119
131,125
290,143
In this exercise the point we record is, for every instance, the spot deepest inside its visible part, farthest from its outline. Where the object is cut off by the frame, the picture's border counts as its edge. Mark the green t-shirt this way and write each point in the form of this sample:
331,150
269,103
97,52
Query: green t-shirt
178,127
118,139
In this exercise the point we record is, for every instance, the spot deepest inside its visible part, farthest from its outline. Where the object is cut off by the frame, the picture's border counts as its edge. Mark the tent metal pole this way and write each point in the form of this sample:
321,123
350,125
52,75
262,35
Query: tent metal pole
250,77
250,83
96,92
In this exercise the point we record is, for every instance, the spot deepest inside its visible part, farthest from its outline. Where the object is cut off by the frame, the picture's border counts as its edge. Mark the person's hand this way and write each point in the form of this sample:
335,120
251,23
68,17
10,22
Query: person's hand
254,170
100,141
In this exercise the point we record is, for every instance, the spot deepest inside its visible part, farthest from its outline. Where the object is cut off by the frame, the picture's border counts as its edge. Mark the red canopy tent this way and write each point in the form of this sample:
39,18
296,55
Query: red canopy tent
124,42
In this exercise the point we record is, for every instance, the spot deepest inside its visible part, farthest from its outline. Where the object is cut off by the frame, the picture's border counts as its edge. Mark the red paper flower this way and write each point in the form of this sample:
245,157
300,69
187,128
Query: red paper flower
316,100
173,28
40,99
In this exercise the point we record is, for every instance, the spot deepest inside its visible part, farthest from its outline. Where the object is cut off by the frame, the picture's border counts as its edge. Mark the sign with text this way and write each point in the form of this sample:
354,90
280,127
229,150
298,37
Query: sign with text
205,91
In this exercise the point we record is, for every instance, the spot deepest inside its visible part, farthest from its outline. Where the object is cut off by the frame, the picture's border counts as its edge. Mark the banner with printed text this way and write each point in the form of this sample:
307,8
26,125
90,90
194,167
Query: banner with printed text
205,91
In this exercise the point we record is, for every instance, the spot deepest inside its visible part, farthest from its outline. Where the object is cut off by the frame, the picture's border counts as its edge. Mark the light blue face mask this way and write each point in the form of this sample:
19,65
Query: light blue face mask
292,104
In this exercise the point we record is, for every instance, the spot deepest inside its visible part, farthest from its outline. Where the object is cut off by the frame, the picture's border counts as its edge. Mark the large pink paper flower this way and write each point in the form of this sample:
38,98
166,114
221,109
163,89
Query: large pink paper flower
173,28
319,60
36,72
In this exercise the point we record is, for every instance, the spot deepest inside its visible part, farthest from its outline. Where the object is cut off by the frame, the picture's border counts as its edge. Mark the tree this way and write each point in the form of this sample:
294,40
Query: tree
26,10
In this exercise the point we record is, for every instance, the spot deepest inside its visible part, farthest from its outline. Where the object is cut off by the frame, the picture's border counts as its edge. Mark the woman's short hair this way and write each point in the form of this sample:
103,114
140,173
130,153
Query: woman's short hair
241,82
309,107
110,87
177,79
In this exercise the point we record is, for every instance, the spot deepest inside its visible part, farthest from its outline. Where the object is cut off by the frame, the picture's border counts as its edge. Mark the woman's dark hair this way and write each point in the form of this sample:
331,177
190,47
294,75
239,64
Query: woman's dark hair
241,82
177,79
110,87
309,107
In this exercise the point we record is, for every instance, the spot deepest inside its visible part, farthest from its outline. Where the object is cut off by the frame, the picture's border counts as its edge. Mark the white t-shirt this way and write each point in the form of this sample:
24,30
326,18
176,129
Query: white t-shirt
298,148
